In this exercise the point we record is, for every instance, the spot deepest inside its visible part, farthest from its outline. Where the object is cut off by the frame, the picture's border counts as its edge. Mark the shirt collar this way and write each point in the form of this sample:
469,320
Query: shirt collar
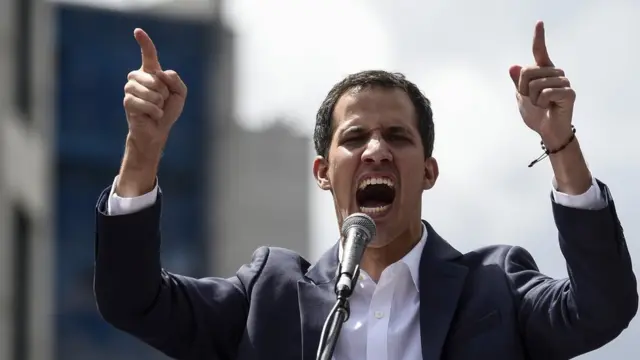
411,259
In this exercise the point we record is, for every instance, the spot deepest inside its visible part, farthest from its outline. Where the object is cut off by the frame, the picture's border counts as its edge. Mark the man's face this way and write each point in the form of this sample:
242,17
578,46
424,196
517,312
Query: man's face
376,164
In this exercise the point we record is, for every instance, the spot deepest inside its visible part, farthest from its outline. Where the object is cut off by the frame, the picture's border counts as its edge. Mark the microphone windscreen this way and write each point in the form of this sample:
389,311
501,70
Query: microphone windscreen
362,221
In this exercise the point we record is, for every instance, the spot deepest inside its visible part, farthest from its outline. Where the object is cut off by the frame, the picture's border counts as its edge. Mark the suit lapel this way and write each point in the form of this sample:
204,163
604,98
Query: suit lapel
316,297
441,282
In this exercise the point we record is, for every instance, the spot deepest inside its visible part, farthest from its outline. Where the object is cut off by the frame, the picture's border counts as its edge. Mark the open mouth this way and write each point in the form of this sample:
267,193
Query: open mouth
375,195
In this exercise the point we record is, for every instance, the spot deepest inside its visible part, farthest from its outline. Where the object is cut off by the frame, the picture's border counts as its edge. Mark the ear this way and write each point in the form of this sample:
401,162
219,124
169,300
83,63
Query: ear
431,173
321,173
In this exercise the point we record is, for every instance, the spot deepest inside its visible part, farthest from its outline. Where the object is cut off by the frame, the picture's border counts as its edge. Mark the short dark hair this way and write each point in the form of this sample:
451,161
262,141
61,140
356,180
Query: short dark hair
366,79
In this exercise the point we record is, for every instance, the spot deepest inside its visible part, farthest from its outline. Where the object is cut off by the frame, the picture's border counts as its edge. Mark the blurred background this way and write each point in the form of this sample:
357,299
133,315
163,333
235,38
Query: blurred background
237,169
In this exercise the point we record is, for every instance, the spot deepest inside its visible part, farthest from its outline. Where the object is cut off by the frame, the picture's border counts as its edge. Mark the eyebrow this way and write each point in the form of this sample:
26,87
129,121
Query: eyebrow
358,129
353,130
399,130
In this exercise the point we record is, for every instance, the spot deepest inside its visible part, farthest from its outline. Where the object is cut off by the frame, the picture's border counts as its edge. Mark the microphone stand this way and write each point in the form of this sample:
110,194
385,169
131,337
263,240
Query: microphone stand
338,315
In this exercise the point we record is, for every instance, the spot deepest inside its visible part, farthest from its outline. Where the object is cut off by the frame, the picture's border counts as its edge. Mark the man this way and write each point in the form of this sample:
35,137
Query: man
417,298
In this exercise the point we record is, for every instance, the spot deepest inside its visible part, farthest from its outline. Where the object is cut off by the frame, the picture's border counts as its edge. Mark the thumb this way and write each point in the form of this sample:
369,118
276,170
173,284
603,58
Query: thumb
514,72
174,105
174,82
150,61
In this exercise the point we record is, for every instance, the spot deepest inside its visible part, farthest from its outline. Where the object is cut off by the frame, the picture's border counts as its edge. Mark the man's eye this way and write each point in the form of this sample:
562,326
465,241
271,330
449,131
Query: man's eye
397,138
352,139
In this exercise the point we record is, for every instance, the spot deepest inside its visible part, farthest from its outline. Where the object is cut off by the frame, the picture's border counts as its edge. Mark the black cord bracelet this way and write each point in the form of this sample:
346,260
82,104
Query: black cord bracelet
548,152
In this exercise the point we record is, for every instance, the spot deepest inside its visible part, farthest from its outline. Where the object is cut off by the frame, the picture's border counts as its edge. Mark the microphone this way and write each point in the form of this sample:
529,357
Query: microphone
357,230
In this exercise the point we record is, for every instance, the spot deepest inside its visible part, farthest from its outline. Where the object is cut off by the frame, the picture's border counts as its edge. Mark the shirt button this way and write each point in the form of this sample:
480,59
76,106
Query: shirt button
378,314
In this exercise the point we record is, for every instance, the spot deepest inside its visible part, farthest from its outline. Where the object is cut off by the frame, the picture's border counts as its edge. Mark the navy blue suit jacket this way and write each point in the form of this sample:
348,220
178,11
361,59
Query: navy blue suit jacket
491,303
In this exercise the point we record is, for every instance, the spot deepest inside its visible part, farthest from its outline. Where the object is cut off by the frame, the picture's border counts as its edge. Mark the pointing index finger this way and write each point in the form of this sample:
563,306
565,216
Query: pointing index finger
540,53
150,61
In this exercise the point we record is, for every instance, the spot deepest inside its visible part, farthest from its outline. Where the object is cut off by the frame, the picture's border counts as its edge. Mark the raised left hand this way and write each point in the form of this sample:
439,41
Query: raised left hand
544,94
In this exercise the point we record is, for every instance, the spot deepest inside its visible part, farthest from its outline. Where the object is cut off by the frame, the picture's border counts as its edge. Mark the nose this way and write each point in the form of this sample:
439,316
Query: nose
376,151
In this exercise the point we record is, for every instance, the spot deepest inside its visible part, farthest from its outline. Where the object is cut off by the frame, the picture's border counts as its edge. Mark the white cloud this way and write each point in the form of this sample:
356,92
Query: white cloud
291,52
478,142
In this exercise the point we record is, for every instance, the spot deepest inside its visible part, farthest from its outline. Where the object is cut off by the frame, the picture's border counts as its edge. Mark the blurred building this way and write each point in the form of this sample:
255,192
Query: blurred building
62,129
27,229
263,194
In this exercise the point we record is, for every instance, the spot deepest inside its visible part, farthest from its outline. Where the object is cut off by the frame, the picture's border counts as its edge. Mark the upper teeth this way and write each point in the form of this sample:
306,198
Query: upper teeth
373,181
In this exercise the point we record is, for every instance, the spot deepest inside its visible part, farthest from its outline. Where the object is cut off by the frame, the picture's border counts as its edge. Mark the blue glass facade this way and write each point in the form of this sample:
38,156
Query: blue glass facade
95,51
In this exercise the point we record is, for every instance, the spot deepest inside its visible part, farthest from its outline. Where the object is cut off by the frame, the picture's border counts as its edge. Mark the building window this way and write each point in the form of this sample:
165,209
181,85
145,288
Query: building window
22,228
22,51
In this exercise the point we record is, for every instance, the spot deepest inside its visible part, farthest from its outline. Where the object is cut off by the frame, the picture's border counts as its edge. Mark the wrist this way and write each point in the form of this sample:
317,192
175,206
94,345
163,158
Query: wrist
569,167
144,149
570,170
135,181
556,138
139,169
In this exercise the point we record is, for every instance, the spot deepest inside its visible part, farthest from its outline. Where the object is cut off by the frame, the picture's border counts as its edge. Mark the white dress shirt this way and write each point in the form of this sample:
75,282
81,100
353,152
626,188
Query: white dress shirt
385,317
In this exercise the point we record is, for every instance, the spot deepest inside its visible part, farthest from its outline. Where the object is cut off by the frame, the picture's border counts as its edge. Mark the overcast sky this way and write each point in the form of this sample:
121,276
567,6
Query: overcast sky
291,52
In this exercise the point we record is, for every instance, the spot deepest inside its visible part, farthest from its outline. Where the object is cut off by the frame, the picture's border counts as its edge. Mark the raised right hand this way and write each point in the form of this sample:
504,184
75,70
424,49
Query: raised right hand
153,101
153,98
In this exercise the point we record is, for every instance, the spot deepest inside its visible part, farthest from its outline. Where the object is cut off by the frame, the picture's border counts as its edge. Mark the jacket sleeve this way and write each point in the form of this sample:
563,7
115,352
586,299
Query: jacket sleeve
185,318
564,318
